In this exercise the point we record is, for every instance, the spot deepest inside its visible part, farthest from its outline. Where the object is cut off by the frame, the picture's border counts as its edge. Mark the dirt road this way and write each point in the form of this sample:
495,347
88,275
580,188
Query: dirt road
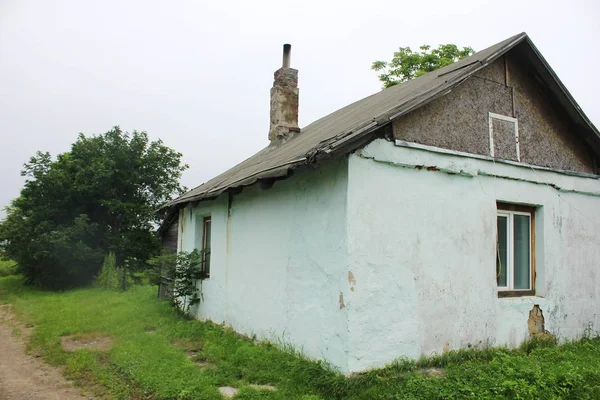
25,377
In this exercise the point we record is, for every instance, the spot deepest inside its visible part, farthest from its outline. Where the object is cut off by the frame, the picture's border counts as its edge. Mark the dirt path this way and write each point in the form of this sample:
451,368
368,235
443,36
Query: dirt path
25,377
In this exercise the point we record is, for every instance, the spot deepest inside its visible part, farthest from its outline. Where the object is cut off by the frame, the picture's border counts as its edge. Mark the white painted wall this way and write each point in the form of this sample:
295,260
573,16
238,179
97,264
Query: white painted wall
421,249
364,260
279,261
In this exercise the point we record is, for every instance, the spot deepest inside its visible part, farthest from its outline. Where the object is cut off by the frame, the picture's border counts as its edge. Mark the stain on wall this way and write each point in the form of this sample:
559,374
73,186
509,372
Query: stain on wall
459,120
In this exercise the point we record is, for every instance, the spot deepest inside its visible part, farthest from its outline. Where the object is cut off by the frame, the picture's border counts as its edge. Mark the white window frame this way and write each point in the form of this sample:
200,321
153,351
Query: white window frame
491,117
510,250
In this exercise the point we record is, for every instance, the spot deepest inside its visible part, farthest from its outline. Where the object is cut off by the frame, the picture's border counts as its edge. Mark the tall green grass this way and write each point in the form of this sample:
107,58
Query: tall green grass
152,343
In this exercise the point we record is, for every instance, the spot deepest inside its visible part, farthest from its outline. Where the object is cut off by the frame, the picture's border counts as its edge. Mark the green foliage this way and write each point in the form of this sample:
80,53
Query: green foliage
163,265
407,64
111,276
101,196
184,271
145,277
152,343
538,342
7,267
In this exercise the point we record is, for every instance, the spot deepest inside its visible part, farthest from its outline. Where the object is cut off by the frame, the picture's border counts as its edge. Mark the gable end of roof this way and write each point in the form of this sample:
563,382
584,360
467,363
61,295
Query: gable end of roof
355,125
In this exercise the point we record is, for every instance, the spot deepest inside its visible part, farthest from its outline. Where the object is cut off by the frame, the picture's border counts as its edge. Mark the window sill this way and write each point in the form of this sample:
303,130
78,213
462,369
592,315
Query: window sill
515,293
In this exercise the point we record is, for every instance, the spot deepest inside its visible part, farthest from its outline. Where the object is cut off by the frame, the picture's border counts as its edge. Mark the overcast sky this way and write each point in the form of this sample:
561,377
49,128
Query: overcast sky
197,74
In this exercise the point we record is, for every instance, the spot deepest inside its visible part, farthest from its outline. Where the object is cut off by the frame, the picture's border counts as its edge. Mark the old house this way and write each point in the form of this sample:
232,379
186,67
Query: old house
461,208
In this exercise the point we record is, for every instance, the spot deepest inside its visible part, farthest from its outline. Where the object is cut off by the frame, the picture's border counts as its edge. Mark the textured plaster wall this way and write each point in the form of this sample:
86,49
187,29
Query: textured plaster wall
459,120
279,261
421,250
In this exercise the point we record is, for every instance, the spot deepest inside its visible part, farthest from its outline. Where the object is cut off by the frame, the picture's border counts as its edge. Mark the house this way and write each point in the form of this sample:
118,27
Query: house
459,209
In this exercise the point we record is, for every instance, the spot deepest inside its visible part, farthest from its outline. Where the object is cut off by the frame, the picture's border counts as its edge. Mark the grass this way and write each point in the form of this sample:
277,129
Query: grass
151,343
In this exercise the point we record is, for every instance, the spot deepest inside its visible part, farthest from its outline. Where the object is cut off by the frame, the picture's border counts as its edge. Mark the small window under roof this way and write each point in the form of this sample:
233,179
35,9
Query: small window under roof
504,137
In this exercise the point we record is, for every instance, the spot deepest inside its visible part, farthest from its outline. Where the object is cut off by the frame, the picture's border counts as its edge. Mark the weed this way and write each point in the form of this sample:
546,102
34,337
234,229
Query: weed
538,342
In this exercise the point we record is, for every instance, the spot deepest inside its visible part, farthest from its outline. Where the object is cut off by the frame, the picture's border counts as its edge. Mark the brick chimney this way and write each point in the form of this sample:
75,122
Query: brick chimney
284,100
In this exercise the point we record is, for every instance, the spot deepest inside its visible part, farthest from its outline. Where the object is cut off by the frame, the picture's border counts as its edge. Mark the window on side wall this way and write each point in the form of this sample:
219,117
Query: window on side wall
515,250
203,237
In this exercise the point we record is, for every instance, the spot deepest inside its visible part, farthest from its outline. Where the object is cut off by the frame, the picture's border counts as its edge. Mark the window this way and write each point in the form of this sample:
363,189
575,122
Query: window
515,247
203,225
504,137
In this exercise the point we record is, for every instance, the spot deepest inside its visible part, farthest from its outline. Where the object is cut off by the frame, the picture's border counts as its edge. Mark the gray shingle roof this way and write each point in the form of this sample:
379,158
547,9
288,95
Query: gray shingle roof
359,120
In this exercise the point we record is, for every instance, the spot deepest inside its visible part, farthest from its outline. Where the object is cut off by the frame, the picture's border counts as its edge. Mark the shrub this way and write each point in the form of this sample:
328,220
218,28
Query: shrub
8,267
144,278
111,276
100,196
184,270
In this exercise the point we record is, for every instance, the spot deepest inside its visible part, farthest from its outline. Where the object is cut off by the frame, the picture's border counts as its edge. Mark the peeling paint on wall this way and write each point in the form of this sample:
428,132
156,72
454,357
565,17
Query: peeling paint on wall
535,323
342,300
351,281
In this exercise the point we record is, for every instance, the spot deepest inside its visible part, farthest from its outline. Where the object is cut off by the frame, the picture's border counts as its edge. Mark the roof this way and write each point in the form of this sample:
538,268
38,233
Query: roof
350,127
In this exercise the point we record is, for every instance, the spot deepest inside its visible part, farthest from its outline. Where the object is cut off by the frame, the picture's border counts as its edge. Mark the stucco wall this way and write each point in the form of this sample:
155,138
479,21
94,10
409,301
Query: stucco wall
421,249
278,261
391,253
459,120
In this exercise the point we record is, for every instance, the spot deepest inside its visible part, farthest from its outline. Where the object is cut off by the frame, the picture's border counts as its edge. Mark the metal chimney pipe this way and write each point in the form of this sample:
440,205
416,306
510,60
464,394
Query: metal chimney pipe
287,50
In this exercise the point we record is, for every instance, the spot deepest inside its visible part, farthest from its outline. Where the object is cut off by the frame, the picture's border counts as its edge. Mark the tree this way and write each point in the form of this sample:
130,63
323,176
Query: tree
407,64
99,197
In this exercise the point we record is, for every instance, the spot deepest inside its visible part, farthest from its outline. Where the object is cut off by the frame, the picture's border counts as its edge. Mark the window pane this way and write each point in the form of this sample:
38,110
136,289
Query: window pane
206,246
199,232
522,253
501,249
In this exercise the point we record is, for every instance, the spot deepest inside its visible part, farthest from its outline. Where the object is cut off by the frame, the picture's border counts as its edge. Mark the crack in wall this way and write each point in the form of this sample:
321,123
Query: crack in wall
434,168
413,166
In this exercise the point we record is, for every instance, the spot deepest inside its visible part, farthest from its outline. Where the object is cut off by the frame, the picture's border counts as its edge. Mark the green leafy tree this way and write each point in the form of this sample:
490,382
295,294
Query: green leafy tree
407,64
99,197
